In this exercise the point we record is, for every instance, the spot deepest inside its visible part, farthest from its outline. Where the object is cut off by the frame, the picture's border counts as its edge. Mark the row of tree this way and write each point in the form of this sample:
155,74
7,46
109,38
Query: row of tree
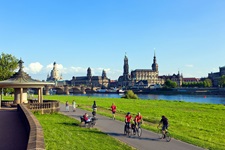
200,84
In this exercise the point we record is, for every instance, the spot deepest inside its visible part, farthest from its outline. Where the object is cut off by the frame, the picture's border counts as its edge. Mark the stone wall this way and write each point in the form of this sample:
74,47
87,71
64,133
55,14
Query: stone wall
33,127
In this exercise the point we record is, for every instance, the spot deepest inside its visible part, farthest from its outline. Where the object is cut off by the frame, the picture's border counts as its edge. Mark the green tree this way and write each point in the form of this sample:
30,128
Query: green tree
130,95
207,83
8,65
222,81
170,84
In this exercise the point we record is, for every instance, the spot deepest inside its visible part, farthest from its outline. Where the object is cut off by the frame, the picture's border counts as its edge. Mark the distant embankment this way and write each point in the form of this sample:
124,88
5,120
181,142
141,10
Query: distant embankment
197,91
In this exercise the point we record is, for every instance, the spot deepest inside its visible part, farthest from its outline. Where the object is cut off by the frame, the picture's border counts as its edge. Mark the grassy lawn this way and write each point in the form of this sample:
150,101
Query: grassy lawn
199,124
64,133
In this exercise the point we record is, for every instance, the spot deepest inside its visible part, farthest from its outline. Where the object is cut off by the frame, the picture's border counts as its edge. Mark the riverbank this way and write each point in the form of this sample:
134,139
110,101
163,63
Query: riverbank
188,91
195,123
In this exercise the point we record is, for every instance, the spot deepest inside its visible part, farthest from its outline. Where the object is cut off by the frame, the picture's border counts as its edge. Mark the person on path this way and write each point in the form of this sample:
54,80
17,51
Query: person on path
127,121
113,109
74,106
94,108
164,121
67,106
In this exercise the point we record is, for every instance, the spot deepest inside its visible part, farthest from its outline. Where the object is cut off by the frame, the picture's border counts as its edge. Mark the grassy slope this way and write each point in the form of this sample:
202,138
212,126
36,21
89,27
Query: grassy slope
199,124
64,133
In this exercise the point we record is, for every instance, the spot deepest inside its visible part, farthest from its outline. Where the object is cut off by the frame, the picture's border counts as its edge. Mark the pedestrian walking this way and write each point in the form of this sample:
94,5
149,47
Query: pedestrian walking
67,106
113,109
74,105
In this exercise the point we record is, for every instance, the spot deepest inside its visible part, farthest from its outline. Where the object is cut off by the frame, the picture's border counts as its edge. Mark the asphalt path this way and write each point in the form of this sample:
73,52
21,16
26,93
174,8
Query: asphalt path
148,140
13,135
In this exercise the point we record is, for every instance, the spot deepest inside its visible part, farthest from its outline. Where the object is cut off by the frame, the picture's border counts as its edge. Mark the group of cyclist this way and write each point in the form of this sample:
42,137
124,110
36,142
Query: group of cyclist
138,120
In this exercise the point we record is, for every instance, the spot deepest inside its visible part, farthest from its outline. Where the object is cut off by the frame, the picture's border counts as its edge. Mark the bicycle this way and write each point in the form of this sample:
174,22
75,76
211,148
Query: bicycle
127,130
164,136
137,129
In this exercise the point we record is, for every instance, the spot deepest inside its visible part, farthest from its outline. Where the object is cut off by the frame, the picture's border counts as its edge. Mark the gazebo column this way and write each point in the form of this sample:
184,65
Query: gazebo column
40,95
21,95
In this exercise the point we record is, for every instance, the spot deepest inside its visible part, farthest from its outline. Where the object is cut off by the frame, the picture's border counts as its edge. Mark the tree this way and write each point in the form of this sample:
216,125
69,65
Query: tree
207,83
130,95
8,65
170,84
222,81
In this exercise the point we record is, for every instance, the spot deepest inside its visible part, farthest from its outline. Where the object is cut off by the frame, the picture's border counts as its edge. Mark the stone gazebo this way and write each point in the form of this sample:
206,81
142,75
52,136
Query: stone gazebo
21,82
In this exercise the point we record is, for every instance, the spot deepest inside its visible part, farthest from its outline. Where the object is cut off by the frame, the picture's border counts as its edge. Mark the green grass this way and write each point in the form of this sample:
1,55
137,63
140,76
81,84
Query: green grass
199,124
63,133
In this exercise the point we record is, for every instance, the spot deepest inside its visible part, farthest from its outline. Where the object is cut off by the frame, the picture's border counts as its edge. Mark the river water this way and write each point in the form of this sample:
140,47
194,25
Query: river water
211,99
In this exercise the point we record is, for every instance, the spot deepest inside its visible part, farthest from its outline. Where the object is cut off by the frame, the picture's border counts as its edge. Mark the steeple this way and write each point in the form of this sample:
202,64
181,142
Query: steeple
154,65
125,68
103,74
89,73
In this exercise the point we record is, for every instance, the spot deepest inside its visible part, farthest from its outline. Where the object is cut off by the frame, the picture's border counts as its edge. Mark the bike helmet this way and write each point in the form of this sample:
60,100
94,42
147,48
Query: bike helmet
128,113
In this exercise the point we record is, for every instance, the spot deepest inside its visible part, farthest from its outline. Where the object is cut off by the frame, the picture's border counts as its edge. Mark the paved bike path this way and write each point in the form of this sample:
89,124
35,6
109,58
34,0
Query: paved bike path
114,128
13,135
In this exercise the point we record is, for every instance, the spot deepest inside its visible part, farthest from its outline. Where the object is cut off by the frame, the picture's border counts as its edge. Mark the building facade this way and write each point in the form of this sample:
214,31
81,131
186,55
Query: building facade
149,76
215,77
54,75
92,81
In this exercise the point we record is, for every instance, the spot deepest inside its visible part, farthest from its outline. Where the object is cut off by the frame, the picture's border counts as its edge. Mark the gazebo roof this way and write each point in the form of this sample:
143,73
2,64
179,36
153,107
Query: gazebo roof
22,79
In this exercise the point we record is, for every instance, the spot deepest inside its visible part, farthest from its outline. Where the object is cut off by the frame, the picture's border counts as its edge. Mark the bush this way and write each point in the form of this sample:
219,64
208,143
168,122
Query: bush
130,95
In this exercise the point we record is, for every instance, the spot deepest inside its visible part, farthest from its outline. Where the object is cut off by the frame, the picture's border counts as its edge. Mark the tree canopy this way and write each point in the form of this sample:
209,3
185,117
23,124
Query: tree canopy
8,65
170,84
222,81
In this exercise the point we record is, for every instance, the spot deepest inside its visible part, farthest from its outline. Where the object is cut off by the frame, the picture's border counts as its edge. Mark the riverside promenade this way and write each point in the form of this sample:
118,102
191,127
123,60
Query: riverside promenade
148,141
13,135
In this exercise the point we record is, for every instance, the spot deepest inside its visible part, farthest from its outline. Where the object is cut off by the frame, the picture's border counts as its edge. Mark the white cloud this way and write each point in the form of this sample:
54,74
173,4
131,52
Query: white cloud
189,66
34,68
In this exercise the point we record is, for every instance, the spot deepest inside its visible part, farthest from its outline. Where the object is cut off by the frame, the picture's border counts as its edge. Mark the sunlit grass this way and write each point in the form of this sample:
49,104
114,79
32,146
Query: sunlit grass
199,124
63,133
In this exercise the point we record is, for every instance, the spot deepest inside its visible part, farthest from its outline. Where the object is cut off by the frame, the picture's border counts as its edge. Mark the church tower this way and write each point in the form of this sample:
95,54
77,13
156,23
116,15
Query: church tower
89,73
154,65
103,74
126,68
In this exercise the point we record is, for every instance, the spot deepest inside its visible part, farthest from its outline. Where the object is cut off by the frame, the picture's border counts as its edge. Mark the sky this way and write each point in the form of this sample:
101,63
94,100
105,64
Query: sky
185,35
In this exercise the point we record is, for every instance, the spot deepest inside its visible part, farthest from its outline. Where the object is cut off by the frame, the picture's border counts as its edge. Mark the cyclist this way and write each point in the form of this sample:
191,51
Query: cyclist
137,121
164,122
127,121
113,109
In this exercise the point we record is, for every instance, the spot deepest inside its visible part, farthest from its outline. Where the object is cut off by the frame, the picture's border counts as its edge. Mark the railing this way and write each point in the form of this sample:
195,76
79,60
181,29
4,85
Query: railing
6,103
48,106
33,128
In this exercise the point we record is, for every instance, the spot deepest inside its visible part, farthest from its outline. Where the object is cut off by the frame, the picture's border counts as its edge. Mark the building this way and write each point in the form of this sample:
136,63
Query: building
125,80
54,75
178,78
89,80
150,75
215,77
139,76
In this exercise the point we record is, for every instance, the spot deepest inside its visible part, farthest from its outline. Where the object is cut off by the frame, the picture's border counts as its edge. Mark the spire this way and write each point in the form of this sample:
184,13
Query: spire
154,65
20,62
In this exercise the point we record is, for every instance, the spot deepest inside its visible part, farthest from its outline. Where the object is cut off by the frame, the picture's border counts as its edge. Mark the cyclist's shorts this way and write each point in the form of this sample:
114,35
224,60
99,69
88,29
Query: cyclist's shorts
164,127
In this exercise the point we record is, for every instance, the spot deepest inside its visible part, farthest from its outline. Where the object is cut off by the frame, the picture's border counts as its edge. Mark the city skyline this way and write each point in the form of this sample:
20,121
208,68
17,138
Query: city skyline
187,36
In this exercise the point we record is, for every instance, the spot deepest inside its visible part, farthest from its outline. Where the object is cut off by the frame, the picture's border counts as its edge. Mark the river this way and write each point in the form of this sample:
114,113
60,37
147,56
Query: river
211,99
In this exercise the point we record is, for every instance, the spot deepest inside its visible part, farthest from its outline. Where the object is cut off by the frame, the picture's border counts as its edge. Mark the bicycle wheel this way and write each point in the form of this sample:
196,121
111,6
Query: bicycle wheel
160,134
128,132
139,132
168,137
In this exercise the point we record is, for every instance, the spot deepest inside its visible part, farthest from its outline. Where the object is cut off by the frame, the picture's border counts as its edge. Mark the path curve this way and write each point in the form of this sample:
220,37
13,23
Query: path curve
148,141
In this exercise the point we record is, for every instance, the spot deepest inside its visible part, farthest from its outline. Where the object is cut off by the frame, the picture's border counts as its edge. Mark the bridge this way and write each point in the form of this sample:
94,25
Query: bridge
65,89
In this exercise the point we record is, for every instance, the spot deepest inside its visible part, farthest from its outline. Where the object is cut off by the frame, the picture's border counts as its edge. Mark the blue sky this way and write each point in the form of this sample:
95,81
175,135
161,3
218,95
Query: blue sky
187,35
